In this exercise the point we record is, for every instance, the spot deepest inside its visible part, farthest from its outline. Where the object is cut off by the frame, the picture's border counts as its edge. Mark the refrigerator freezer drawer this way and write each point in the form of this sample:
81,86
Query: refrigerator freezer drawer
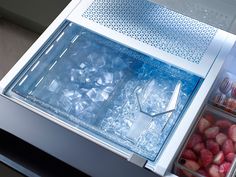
110,92
135,92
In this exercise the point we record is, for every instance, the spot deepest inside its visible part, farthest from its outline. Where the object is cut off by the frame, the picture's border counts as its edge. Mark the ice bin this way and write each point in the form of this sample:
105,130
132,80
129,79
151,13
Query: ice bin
92,83
106,78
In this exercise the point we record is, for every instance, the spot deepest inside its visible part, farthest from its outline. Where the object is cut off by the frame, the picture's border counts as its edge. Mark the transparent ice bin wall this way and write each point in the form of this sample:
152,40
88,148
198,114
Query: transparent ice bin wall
91,83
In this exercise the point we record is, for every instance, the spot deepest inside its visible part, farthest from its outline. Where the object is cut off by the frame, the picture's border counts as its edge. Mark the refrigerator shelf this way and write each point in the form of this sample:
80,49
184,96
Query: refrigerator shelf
91,83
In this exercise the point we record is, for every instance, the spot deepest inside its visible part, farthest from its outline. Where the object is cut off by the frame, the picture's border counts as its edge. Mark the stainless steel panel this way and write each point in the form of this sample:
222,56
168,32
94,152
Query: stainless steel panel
218,13
153,30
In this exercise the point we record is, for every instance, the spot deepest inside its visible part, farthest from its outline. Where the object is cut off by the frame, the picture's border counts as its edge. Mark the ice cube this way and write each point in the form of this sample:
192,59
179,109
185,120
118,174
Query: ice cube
100,81
82,65
108,89
54,86
72,94
75,75
80,106
104,95
108,78
68,93
96,95
65,103
83,76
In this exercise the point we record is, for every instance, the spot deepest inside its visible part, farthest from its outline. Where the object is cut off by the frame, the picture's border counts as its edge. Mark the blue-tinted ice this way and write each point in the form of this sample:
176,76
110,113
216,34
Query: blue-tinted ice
91,82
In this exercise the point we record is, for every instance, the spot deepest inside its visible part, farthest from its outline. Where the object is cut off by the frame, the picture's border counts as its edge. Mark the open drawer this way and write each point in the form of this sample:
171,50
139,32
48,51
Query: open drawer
106,74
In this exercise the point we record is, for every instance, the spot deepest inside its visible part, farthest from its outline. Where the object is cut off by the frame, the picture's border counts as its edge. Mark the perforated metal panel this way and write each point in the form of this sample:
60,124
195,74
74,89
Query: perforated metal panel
155,26
218,13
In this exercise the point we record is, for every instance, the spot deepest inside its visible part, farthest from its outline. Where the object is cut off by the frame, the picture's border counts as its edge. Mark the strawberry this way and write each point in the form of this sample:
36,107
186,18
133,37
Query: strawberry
230,157
212,132
219,158
191,165
198,147
199,161
194,139
232,132
209,117
220,138
214,171
203,124
223,123
212,146
224,168
228,146
189,154
206,157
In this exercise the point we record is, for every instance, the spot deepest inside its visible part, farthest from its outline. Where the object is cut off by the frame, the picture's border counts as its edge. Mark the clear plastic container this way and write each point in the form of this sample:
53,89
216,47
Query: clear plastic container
210,149
224,95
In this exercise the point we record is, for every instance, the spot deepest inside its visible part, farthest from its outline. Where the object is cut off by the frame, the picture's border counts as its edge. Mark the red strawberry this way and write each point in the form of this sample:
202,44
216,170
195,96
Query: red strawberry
192,165
194,139
209,117
228,146
220,138
206,157
203,124
200,162
214,171
223,123
219,158
198,147
230,157
224,168
212,146
189,154
232,132
212,132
